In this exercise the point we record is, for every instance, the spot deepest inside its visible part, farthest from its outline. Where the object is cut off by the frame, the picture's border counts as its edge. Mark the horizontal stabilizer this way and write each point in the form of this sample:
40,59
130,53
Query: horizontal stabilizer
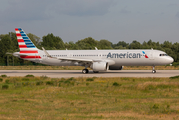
19,54
9,53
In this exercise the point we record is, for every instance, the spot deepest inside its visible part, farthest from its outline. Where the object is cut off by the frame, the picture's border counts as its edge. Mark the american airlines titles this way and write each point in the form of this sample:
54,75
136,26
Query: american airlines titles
124,55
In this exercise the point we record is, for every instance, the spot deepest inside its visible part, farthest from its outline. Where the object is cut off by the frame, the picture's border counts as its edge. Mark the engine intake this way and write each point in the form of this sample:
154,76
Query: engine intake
99,66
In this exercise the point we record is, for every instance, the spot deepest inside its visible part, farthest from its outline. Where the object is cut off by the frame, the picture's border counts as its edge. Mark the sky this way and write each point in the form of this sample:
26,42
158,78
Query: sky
113,20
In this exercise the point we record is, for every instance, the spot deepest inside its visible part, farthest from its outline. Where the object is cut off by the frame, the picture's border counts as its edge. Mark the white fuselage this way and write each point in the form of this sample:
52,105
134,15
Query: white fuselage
112,57
98,60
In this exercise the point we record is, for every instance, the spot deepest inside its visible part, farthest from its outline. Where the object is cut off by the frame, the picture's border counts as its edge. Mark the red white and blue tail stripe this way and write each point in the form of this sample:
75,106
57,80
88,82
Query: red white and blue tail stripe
26,46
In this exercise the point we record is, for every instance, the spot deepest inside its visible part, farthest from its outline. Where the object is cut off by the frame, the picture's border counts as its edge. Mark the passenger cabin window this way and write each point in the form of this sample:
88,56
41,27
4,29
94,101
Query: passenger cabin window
163,55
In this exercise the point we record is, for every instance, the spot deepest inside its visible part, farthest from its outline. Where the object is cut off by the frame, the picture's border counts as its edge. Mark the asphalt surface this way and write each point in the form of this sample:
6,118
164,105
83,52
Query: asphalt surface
78,73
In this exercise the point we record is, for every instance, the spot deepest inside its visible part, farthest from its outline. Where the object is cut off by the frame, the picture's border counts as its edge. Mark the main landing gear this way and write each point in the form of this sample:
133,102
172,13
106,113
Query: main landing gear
84,71
153,69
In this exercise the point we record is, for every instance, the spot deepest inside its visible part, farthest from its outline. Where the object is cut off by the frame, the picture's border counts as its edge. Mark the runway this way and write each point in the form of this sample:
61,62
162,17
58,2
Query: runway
78,73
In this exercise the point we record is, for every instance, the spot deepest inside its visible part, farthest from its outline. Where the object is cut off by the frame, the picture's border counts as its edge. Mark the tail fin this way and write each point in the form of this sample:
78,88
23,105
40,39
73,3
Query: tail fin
25,44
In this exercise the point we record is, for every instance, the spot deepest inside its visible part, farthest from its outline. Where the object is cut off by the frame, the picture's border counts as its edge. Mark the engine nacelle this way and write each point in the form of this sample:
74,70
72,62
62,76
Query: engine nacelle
99,66
115,67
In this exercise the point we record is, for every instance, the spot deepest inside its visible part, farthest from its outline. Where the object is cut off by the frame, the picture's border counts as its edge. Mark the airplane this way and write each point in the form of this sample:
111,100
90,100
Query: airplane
97,60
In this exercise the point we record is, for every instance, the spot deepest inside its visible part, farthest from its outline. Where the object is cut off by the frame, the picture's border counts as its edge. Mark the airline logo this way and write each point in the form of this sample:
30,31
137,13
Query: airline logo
126,55
145,54
25,45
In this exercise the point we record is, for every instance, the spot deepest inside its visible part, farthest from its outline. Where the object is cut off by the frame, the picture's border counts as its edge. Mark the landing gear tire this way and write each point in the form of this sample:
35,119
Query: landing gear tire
153,71
84,71
96,71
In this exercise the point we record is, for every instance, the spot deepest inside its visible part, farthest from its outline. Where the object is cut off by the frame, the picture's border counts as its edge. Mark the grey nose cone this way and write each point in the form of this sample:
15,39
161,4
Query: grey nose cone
170,60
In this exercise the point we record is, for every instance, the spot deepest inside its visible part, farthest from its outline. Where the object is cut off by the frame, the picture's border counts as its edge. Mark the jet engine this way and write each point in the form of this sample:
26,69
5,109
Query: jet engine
115,67
99,66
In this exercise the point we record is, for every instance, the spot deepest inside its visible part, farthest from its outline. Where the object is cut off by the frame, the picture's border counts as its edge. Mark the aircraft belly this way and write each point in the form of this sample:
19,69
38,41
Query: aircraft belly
135,62
56,62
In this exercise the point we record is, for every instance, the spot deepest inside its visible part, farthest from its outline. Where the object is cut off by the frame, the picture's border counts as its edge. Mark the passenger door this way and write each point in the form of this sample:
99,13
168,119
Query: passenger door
151,55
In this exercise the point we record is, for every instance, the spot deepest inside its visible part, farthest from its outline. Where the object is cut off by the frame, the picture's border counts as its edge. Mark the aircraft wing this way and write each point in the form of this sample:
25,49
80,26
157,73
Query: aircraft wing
75,59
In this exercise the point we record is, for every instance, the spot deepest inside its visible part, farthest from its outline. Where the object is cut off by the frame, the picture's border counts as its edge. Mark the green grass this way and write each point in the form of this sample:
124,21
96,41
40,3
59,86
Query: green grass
76,98
29,76
175,77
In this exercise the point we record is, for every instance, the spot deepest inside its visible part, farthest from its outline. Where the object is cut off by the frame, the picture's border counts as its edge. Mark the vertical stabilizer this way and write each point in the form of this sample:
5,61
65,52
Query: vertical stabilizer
24,42
28,50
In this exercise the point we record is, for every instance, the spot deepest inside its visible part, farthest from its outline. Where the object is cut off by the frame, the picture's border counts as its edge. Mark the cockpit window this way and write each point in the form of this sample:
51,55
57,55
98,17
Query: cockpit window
163,55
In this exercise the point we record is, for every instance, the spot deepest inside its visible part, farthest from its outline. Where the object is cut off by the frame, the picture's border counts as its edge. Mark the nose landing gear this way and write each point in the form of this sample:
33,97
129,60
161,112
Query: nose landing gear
153,69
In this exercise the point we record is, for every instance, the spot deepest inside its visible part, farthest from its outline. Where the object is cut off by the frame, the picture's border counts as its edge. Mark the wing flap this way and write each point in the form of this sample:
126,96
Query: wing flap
75,59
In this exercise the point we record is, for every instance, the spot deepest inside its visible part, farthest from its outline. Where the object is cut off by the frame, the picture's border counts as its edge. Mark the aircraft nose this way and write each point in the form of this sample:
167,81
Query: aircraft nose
170,59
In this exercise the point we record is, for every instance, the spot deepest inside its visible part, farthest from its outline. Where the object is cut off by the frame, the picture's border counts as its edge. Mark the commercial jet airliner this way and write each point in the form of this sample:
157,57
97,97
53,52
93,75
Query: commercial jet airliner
97,60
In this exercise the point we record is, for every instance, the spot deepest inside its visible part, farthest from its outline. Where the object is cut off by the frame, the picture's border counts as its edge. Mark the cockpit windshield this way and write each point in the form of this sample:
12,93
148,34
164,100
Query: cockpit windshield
163,55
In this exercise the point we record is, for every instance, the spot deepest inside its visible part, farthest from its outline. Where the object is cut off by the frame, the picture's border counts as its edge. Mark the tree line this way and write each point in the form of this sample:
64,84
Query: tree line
8,43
